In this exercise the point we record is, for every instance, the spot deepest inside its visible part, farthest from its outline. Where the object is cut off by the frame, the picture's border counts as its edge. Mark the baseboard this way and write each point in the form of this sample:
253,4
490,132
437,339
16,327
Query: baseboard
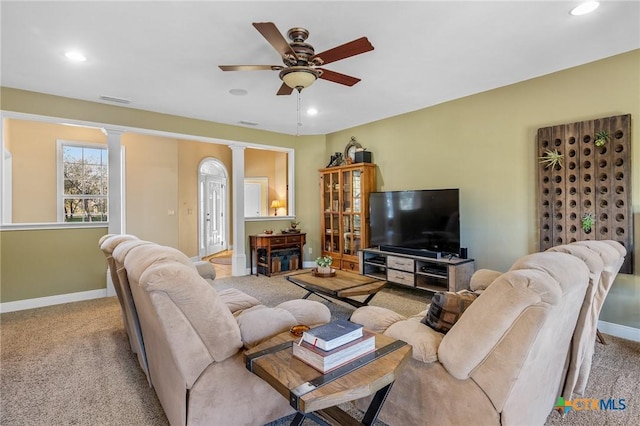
20,305
618,330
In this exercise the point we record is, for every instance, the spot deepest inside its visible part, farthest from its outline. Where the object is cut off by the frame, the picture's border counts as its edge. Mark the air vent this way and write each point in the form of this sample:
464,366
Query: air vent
248,123
114,99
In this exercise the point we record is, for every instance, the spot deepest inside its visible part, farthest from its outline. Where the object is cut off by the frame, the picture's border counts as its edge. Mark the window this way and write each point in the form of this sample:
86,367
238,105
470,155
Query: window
83,184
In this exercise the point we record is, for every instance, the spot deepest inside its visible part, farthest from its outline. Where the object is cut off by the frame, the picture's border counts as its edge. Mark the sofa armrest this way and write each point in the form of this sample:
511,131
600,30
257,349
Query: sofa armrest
205,269
260,323
423,339
375,318
481,279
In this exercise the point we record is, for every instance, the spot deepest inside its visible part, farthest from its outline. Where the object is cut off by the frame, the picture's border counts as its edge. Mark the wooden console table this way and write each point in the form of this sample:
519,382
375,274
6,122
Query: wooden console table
267,249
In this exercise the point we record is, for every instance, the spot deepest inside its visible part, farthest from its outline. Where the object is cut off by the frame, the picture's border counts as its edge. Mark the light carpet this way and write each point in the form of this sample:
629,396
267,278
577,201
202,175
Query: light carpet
71,364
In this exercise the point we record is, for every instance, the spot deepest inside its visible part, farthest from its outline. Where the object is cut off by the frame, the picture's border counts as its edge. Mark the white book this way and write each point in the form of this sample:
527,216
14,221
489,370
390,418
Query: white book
331,335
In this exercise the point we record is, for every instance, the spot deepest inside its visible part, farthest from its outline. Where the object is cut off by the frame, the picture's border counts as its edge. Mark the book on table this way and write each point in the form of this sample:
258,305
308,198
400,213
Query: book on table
325,361
331,335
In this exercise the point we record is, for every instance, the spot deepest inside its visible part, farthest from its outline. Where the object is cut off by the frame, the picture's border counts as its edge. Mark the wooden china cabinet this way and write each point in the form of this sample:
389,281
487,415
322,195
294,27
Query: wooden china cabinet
344,223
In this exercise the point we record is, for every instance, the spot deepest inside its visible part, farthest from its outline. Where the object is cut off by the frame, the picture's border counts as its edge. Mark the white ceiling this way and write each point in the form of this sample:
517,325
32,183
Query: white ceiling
164,56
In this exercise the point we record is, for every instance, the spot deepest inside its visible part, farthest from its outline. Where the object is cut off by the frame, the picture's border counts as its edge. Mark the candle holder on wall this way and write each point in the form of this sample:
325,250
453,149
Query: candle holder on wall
593,180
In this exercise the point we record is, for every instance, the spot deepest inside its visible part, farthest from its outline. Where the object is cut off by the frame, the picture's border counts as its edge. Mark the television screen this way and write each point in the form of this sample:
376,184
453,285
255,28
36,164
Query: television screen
421,219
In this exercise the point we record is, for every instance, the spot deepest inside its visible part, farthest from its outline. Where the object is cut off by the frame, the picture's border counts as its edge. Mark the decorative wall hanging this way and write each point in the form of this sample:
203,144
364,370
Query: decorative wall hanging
587,195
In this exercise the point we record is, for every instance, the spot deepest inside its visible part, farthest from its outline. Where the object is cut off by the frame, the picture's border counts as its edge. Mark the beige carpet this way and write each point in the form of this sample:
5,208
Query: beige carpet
71,364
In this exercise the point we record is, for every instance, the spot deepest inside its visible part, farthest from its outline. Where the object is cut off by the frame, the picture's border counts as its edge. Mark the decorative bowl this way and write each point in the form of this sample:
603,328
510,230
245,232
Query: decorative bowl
297,330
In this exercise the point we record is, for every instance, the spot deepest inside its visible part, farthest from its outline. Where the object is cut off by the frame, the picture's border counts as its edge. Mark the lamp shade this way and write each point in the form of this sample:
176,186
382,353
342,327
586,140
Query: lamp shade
276,204
298,77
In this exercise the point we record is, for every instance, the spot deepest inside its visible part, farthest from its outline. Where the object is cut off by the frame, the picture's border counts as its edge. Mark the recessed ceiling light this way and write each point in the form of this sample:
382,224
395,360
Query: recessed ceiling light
238,92
312,111
75,56
584,8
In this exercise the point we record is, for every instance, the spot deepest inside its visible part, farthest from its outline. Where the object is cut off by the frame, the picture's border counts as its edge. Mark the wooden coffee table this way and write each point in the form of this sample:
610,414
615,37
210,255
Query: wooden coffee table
310,392
342,286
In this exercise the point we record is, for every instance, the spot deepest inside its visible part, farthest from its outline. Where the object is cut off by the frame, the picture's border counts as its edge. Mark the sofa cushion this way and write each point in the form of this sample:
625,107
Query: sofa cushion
237,300
307,312
259,323
199,303
375,318
446,308
138,259
110,241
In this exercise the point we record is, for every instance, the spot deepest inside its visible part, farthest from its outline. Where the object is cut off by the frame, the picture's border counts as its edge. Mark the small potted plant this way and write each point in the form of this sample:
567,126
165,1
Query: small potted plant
587,222
324,264
294,225
601,138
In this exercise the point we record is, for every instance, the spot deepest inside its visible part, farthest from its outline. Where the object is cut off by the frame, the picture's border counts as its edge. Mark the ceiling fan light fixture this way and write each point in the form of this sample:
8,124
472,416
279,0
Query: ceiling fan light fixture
298,77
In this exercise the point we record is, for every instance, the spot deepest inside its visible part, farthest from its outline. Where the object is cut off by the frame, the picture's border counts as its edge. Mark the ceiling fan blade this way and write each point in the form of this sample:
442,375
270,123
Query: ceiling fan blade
275,38
284,90
251,67
336,77
343,51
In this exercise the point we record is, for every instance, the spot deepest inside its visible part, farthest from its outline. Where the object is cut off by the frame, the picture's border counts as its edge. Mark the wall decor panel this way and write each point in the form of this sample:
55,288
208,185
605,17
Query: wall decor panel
590,178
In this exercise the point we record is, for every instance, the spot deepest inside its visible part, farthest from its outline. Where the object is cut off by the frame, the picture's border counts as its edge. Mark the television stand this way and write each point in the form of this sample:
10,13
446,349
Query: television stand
417,271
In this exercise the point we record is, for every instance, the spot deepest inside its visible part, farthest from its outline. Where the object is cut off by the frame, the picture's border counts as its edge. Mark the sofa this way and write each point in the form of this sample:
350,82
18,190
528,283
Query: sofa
510,353
190,338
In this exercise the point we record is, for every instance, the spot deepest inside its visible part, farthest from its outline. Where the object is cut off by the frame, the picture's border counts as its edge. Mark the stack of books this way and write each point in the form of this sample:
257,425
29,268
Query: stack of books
332,345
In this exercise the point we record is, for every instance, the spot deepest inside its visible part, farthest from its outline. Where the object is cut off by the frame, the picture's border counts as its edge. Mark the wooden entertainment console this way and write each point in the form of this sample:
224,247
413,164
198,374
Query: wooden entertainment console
424,273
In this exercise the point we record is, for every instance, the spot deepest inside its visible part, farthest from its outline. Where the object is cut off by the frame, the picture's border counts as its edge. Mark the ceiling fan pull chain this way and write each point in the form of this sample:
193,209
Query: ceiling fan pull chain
299,117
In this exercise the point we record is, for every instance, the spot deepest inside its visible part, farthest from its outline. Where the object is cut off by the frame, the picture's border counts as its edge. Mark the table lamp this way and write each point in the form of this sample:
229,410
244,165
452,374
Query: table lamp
275,205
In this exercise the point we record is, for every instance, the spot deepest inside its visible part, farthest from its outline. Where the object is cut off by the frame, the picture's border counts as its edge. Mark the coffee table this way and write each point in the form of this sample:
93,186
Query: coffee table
310,392
342,286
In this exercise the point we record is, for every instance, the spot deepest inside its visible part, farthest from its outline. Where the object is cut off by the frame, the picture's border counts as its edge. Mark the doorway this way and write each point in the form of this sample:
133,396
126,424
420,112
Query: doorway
213,208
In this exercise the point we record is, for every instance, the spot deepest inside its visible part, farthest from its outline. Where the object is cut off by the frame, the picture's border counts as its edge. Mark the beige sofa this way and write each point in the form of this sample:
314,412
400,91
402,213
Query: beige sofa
189,338
508,357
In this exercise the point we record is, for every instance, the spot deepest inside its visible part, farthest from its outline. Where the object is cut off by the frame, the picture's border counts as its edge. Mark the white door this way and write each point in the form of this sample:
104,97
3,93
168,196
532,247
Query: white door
252,194
213,208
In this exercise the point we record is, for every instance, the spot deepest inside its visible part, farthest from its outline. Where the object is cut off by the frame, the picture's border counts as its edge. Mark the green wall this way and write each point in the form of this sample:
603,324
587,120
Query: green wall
486,145
50,262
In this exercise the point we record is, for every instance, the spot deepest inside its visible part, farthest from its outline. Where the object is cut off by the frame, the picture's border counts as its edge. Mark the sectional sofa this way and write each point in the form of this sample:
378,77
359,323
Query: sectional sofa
190,338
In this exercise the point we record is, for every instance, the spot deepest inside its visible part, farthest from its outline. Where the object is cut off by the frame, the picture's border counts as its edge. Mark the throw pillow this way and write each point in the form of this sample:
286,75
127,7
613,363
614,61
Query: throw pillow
445,309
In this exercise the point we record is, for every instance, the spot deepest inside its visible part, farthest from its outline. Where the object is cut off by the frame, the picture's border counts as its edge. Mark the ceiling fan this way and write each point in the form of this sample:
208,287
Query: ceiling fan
301,63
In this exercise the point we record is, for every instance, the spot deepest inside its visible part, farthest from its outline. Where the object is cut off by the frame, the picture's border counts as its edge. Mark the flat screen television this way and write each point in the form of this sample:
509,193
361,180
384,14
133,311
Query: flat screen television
420,219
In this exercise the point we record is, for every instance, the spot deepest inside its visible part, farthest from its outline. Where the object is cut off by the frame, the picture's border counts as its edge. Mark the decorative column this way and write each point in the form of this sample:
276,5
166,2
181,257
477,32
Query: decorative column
239,258
114,147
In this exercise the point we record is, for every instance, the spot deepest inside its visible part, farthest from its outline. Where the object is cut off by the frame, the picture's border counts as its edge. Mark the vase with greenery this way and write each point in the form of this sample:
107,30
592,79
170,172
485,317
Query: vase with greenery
324,264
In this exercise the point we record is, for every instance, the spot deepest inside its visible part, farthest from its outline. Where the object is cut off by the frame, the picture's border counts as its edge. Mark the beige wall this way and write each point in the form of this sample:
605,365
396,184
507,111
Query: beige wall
273,166
34,159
